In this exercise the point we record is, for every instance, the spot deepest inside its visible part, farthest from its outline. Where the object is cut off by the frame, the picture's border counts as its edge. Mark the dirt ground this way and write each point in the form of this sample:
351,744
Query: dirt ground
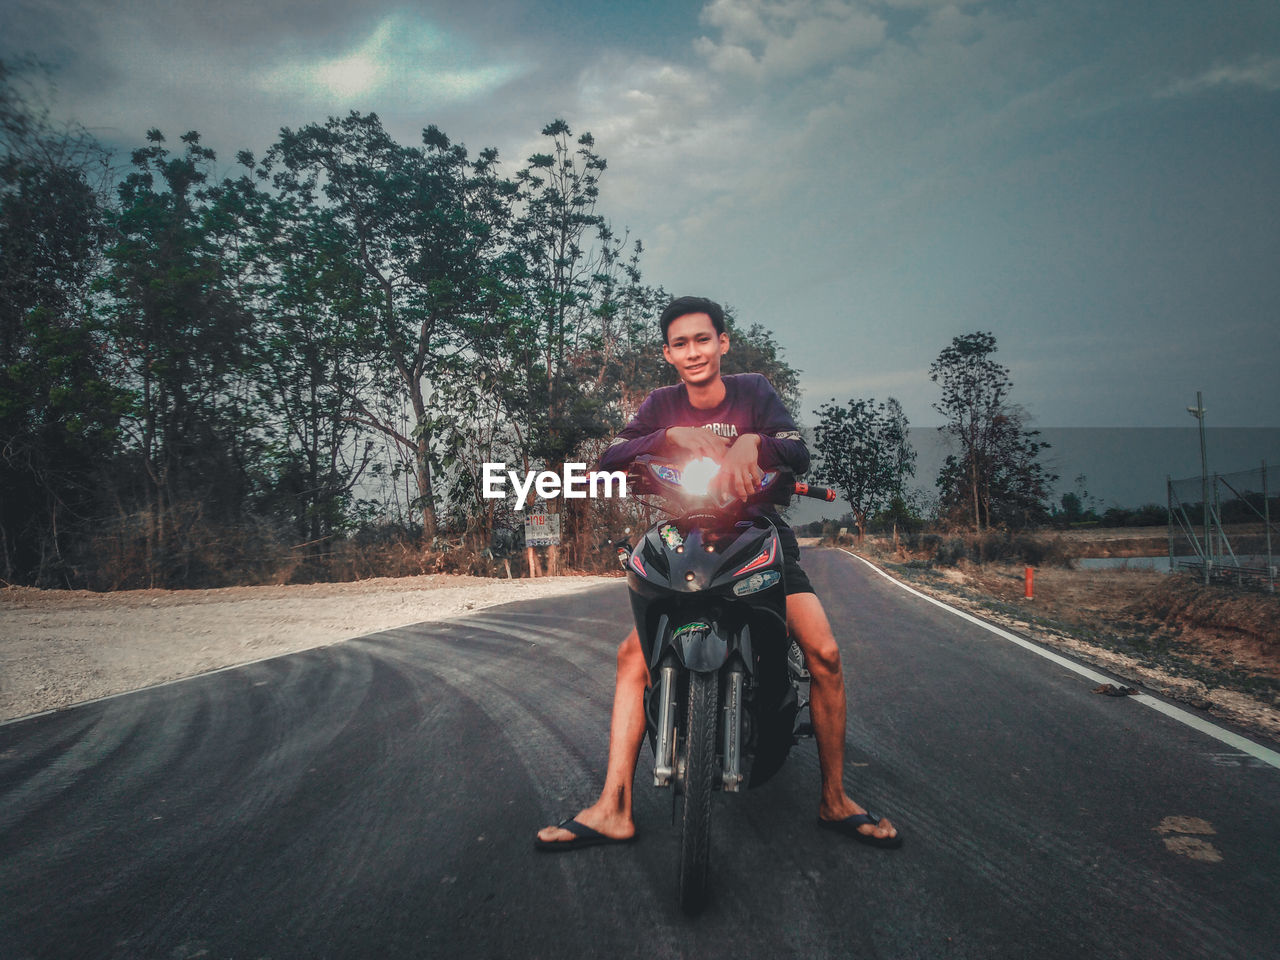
1216,648
1246,538
1115,542
63,647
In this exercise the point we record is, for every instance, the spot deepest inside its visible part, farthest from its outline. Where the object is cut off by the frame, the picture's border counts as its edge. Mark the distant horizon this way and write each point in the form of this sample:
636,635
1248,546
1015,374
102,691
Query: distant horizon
1124,467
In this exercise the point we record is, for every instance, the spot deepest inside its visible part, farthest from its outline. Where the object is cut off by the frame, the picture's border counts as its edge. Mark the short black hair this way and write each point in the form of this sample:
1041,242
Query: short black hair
683,306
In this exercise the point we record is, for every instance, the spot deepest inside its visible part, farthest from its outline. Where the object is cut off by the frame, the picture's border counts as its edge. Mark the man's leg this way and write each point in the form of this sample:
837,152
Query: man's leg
611,814
809,627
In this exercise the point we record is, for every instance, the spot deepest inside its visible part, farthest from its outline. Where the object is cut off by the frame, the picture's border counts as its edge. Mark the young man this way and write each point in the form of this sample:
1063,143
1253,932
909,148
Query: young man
739,422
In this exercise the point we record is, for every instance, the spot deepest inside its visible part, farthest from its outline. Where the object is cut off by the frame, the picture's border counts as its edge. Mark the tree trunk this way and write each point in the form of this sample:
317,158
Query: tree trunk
426,501
4,550
973,478
426,496
553,550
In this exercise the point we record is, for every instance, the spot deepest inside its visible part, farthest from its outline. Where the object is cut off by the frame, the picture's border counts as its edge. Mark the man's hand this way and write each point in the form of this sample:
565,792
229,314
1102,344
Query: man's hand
695,442
740,472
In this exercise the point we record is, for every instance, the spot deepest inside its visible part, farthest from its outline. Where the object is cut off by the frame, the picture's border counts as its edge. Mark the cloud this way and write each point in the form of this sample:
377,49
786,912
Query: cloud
241,72
682,136
1258,72
930,4
402,56
850,173
768,40
820,153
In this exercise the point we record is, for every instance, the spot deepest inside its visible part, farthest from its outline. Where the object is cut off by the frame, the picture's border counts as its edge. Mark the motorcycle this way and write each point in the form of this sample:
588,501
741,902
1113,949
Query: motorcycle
729,689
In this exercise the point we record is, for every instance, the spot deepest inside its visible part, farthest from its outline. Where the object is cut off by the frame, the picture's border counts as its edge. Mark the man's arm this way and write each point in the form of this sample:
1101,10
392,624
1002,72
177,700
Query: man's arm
740,472
648,432
781,445
774,444
644,434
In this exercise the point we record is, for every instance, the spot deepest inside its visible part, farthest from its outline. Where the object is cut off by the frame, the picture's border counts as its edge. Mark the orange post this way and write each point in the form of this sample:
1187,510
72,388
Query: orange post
1031,580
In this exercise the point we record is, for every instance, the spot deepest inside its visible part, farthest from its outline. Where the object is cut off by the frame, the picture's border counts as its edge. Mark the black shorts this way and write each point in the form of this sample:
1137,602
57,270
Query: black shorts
797,580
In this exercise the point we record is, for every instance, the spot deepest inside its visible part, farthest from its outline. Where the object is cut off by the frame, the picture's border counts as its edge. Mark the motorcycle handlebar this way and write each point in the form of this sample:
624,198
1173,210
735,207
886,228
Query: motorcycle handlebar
817,493
641,467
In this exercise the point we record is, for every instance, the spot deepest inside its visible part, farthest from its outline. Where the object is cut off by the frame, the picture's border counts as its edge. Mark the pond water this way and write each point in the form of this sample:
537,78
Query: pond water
1159,563
1126,563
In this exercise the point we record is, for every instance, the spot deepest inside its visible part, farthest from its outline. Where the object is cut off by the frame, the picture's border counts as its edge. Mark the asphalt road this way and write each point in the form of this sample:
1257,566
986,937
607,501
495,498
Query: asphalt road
378,798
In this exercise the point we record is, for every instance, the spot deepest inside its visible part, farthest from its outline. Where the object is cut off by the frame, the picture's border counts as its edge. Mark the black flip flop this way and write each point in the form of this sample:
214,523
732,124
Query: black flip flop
849,827
583,836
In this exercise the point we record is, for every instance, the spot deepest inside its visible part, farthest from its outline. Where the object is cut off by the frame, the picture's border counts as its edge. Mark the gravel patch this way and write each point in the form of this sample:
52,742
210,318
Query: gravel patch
59,648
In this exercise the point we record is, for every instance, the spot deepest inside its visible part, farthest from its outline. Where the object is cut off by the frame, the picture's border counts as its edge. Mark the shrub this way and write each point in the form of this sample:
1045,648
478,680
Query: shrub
997,546
950,551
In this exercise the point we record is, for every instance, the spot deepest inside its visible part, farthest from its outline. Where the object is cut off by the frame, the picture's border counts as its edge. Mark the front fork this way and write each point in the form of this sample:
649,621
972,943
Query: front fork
664,766
731,733
664,761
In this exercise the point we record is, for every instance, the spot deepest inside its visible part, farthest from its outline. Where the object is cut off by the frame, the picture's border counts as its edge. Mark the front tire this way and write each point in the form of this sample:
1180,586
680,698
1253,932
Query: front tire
699,779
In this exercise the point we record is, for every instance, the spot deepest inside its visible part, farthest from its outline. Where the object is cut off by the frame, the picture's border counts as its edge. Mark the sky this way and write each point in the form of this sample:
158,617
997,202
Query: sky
1096,183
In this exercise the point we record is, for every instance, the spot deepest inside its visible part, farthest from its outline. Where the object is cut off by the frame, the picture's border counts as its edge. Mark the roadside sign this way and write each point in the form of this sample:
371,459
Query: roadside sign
541,529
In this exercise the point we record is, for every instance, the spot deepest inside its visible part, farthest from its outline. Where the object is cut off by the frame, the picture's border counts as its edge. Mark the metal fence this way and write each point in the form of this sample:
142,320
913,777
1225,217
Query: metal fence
1223,527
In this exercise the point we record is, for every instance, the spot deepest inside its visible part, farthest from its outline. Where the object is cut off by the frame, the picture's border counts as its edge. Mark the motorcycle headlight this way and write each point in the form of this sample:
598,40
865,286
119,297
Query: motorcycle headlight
698,475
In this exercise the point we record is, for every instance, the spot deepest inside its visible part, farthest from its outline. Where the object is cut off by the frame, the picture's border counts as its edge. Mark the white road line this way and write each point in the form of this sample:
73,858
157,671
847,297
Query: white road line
1243,744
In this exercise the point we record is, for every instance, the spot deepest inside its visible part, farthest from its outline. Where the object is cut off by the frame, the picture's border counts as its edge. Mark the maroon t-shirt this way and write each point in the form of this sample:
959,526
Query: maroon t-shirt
750,405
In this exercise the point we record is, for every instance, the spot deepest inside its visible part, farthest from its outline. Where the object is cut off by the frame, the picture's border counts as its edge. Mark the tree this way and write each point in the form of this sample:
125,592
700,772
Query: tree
217,357
996,477
1078,506
540,348
421,224
755,350
566,287
182,337
59,405
311,357
863,451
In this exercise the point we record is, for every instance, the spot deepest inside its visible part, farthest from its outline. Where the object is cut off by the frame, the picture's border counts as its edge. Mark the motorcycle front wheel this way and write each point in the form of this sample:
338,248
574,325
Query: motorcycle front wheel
699,778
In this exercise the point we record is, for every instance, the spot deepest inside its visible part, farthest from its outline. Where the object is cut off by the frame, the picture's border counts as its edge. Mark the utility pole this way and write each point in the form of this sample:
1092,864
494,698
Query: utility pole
1266,516
1198,412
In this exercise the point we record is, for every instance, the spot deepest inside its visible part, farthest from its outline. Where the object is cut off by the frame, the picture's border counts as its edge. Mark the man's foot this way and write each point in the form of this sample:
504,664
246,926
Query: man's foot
608,824
855,826
849,818
582,837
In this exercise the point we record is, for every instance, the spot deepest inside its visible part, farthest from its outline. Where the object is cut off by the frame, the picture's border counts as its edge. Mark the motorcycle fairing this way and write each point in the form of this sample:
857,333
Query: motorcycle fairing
681,578
702,566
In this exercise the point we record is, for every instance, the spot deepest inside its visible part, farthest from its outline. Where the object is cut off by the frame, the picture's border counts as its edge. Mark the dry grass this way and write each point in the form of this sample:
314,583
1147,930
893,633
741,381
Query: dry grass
124,556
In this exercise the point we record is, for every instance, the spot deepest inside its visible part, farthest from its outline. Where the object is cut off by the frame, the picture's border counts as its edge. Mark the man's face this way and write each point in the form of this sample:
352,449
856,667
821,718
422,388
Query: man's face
694,348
